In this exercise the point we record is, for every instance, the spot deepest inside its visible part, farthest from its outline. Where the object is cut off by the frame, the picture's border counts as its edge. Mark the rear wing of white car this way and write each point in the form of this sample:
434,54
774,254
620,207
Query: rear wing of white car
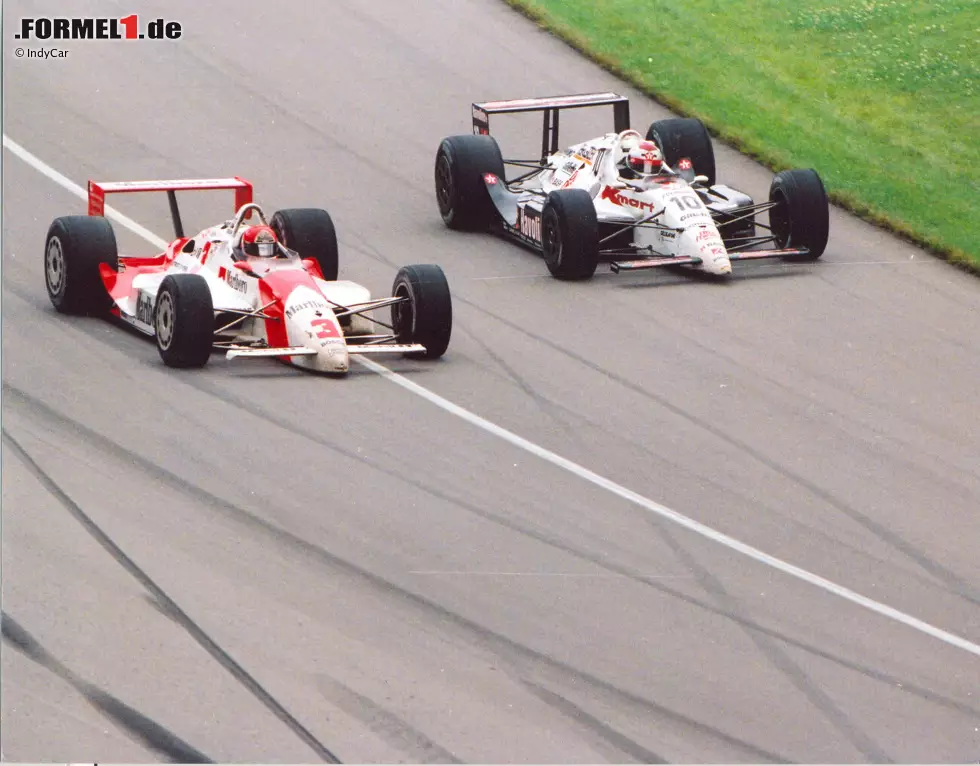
98,189
551,106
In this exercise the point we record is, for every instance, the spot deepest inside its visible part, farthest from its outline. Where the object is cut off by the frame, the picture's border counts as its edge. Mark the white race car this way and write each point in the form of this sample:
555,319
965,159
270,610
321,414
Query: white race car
585,202
268,289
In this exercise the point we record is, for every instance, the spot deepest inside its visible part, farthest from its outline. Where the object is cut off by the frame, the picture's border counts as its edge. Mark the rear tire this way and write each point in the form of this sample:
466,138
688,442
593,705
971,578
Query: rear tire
570,234
681,137
461,164
427,316
75,247
801,217
311,233
183,319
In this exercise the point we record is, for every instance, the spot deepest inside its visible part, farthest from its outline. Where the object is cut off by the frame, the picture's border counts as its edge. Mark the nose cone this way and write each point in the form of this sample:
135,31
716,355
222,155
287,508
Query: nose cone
715,260
331,352
332,356
721,267
324,335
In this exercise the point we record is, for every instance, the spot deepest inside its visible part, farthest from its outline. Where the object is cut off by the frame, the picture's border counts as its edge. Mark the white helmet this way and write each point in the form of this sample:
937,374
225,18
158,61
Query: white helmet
645,158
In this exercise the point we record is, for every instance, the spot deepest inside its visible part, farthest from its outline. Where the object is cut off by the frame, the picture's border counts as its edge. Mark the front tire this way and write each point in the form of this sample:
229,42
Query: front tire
461,164
801,217
427,316
311,233
75,247
570,234
183,319
681,137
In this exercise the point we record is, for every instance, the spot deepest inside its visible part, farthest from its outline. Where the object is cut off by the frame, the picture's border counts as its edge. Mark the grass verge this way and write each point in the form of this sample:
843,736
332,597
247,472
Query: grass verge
882,97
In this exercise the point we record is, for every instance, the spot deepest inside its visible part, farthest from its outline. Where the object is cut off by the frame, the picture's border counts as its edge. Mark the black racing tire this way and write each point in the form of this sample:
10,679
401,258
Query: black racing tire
311,233
681,137
427,316
183,320
801,216
461,164
570,234
75,247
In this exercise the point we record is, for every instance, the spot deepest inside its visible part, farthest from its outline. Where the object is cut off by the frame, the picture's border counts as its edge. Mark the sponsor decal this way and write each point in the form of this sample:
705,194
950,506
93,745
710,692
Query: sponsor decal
685,164
144,307
303,305
481,122
529,223
569,167
618,198
236,281
704,234
571,180
489,179
699,214
586,154
125,28
327,329
667,234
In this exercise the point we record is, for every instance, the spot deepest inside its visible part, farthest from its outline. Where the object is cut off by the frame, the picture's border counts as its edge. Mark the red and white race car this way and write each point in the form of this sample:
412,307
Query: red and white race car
263,289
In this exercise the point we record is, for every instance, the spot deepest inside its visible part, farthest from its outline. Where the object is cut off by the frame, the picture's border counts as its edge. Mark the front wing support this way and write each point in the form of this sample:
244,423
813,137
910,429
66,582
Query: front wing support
751,255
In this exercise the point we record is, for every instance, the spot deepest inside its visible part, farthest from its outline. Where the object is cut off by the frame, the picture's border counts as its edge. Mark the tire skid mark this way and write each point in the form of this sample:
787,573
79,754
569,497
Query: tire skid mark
136,725
956,585
830,381
469,629
290,540
473,631
389,727
89,330
606,733
779,659
181,617
228,70
545,405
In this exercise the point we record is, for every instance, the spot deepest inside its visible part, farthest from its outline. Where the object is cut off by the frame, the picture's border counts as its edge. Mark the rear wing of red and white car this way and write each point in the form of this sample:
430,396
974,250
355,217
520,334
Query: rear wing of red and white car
98,189
552,106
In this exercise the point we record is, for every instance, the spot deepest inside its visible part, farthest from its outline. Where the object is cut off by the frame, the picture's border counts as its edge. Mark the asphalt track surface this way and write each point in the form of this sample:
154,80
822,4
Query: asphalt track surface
250,563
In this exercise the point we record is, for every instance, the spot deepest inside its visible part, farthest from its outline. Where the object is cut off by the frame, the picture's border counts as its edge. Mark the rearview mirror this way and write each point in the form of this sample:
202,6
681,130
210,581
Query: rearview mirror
700,179
242,266
313,267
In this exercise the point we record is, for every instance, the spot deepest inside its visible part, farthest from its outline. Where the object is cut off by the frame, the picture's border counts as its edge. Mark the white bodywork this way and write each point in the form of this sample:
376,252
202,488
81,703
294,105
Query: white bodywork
307,327
688,229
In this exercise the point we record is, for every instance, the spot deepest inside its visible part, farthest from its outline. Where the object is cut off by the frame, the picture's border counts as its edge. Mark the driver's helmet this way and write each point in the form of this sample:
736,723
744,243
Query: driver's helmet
259,241
645,159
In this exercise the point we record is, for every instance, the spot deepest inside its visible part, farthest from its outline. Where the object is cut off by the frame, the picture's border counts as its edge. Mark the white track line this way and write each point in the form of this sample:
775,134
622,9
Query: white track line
78,191
574,468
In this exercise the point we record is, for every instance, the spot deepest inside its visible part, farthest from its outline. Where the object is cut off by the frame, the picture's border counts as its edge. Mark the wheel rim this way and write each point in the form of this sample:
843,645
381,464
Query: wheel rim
164,321
779,220
54,267
551,241
444,185
403,317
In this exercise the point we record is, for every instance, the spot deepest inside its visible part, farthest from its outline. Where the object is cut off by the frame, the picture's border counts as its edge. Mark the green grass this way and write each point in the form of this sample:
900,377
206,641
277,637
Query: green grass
882,97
